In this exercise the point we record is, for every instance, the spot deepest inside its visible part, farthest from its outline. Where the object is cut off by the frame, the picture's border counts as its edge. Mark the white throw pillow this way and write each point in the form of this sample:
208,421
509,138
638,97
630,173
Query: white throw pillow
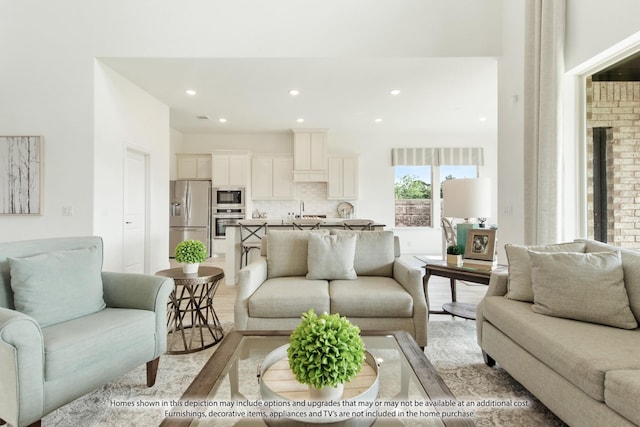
519,282
581,286
287,252
331,257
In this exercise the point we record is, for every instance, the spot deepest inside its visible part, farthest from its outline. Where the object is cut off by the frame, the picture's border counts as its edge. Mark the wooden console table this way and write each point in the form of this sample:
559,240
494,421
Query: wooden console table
442,269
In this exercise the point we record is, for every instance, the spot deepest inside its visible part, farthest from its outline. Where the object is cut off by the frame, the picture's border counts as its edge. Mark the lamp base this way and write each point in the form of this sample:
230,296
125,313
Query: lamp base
461,235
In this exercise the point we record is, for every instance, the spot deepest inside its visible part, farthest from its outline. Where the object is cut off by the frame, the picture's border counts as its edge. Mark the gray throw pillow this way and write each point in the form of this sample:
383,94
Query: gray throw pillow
54,287
519,282
375,252
287,252
581,286
331,257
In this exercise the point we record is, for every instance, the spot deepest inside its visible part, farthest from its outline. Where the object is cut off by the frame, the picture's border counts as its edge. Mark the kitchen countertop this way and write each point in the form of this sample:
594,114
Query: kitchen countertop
324,222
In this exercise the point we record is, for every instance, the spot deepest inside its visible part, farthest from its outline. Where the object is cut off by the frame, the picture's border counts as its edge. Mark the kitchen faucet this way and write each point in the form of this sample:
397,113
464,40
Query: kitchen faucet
301,208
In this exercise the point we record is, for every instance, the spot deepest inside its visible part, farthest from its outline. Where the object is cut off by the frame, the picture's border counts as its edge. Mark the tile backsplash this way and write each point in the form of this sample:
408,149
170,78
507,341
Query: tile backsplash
314,196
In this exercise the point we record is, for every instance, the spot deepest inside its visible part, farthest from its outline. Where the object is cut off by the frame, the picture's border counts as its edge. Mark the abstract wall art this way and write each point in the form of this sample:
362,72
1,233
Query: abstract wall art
21,175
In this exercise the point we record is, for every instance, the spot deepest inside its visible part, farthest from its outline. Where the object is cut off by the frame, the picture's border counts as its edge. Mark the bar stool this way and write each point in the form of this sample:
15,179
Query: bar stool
307,224
357,224
251,234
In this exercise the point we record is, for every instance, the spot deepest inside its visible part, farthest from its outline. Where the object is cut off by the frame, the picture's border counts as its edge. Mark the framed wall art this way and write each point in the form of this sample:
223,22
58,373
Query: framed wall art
21,175
481,244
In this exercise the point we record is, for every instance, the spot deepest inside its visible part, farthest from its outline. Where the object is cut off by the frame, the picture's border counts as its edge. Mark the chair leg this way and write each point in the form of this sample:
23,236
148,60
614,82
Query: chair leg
490,361
152,370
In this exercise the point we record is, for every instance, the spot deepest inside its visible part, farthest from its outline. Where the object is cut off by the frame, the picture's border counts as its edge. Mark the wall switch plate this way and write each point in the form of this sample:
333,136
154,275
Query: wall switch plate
67,210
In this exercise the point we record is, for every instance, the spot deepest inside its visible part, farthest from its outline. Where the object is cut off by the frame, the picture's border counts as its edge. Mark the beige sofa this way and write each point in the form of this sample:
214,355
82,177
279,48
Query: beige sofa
355,273
570,336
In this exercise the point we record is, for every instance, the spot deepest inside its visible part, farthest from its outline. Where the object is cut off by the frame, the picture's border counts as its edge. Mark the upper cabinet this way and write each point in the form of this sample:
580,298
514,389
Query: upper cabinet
272,178
229,169
343,178
194,166
309,155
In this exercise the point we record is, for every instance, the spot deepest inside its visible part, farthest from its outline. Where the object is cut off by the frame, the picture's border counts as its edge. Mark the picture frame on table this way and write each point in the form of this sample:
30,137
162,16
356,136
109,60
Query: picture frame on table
21,167
480,244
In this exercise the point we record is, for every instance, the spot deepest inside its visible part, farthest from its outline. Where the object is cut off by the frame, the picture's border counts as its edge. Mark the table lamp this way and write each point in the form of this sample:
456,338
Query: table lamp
467,198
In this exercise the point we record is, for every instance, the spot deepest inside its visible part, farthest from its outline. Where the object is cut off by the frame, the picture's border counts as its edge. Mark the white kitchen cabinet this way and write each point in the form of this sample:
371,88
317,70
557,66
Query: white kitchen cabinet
229,169
272,178
310,155
194,166
343,178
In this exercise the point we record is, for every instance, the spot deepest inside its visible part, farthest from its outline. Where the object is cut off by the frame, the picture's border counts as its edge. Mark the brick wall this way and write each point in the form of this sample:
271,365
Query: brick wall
617,105
413,213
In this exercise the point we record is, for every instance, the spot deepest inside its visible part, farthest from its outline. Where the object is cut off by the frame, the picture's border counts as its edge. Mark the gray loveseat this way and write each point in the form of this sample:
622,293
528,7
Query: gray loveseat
67,328
355,273
570,334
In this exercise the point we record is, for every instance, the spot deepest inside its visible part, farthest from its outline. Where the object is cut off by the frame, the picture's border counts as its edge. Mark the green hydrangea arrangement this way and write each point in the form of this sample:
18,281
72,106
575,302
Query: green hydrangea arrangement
191,251
455,250
325,350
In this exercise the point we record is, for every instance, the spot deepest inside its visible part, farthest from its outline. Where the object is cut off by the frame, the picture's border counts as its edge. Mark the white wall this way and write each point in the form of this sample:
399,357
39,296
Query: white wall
128,118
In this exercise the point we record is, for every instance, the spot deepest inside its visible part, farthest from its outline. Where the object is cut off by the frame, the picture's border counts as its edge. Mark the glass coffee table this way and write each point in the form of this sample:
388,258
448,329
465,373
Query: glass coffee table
226,392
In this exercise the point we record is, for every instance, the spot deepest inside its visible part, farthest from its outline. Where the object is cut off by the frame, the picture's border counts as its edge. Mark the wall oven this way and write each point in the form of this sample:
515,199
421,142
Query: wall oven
228,197
224,217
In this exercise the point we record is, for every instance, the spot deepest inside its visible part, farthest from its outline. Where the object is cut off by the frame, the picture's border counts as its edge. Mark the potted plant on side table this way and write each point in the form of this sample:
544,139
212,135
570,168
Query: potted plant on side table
190,253
454,255
325,352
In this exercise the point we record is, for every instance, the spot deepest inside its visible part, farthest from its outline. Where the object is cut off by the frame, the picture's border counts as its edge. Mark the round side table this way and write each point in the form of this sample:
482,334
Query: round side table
192,322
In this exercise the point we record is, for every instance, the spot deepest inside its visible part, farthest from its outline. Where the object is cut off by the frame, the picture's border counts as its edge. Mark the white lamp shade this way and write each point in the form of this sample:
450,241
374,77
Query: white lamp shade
467,198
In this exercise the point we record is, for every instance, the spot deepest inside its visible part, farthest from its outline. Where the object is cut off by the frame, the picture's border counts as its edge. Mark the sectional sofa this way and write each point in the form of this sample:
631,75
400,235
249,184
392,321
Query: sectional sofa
355,273
564,323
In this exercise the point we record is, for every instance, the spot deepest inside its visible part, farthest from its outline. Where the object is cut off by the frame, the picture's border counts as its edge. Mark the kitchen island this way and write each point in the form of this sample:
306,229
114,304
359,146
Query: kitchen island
233,240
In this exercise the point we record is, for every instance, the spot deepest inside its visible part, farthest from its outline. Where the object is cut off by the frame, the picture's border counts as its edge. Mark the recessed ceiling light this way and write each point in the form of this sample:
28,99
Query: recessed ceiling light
190,92
300,120
483,119
378,120
394,92
294,92
222,120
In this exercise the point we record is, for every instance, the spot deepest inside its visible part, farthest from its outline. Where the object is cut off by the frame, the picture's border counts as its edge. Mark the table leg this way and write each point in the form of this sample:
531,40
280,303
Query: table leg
453,290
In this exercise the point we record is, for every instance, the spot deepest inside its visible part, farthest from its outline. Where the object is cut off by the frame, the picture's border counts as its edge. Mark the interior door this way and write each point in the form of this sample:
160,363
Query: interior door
135,212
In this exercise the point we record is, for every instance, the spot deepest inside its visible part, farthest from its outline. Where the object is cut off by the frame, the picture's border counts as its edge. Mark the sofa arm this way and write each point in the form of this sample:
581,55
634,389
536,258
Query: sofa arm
22,373
410,277
497,287
249,280
142,292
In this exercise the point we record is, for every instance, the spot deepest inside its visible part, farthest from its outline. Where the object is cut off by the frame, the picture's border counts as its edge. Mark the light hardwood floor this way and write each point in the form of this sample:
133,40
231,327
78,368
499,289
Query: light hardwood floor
439,292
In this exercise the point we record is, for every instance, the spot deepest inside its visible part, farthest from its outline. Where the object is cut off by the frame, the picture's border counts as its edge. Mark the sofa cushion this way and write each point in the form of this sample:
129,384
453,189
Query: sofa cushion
621,391
370,296
56,286
289,297
631,267
287,252
519,282
331,257
73,345
588,287
581,352
375,252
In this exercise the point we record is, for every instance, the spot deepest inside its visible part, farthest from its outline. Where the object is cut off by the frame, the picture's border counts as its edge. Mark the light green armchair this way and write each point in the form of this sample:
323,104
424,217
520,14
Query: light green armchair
67,328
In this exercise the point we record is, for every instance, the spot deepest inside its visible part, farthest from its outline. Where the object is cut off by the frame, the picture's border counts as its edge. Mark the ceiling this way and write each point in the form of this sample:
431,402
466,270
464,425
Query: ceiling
436,94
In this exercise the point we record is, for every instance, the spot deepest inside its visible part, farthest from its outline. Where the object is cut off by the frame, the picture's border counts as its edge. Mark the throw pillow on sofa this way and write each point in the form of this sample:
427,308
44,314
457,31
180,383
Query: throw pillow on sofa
54,287
519,282
375,252
330,257
581,286
287,252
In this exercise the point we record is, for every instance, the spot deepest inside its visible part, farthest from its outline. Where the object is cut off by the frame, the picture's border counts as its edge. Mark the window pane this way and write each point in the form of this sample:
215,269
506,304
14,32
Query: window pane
412,196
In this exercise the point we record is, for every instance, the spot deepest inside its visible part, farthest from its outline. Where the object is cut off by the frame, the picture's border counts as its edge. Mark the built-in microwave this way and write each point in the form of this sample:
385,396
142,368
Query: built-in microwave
228,197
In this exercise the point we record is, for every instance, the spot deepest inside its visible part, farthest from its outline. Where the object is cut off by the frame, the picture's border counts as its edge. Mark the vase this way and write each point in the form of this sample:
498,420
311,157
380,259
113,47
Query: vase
454,260
190,268
326,393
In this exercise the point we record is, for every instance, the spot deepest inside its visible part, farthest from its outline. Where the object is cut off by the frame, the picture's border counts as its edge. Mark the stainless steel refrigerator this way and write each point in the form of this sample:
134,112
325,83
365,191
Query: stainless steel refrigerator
189,213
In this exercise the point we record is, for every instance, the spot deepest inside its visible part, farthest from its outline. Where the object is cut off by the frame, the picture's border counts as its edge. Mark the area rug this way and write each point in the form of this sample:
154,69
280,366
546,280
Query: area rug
452,349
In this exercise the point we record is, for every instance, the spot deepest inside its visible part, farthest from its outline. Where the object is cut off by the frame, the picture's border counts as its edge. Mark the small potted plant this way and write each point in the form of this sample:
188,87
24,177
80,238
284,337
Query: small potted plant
190,253
325,352
454,255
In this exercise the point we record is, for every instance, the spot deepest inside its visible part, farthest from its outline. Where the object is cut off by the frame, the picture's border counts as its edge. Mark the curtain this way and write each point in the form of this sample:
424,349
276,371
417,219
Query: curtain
544,69
455,156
